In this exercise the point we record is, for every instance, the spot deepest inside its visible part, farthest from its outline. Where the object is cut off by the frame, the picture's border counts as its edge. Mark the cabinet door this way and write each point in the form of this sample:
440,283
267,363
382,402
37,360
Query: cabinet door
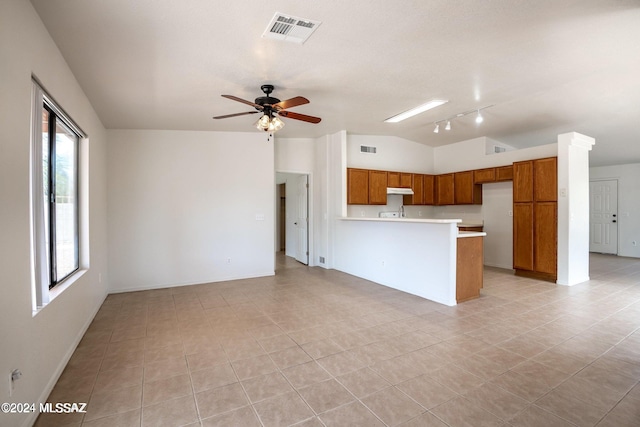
417,198
504,173
444,189
393,179
545,234
465,191
484,175
429,190
545,178
377,187
523,236
357,186
406,180
523,182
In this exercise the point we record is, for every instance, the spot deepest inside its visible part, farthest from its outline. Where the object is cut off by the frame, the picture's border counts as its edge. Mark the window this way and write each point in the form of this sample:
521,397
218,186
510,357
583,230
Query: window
55,189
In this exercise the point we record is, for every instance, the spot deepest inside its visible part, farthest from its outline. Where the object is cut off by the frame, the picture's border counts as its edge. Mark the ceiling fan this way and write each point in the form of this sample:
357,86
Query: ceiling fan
271,108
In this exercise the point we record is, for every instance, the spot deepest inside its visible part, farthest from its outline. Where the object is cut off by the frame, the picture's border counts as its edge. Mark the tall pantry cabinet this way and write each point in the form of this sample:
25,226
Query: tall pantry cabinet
535,218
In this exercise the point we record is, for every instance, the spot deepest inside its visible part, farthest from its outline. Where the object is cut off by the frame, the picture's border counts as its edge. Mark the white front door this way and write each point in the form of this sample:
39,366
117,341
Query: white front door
302,247
603,214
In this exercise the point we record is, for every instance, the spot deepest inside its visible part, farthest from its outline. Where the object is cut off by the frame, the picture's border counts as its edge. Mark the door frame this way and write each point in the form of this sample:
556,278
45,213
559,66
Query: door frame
310,210
617,180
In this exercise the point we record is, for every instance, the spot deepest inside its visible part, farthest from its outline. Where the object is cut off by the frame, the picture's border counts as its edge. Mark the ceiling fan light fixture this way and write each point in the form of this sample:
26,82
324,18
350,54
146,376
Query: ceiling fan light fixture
276,124
263,122
417,110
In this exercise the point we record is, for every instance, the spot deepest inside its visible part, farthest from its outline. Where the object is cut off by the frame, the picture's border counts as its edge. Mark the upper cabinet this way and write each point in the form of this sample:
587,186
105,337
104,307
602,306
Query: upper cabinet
545,177
444,189
357,186
523,181
466,192
417,185
369,187
366,187
377,187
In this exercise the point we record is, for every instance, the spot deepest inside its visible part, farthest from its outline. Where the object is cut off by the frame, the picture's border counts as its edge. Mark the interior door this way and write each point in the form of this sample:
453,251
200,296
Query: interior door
302,223
603,216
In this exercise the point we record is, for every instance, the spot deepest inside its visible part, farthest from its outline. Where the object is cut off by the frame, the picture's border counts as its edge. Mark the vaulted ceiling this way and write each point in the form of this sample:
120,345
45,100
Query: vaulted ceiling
545,66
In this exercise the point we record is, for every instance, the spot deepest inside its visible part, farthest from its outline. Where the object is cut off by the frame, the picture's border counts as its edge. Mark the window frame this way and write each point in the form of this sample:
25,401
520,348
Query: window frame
53,120
45,283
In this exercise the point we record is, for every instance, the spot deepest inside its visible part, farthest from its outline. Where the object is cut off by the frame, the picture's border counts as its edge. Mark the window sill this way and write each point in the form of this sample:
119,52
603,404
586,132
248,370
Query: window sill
60,288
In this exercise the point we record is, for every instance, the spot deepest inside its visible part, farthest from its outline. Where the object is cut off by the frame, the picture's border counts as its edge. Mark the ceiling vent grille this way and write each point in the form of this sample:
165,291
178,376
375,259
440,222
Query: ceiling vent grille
290,28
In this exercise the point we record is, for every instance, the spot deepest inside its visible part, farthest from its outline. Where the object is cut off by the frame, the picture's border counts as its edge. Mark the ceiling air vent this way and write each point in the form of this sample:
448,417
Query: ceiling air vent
366,149
290,28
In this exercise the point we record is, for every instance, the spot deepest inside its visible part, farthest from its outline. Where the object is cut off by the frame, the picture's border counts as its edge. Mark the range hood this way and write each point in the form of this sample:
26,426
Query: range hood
395,190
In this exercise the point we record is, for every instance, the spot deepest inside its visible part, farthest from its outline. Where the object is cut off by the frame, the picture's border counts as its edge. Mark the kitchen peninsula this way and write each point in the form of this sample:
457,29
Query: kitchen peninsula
418,256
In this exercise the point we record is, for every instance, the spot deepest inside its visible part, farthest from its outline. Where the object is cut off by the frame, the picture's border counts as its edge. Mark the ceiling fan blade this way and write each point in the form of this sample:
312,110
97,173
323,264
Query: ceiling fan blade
244,101
298,116
234,115
288,103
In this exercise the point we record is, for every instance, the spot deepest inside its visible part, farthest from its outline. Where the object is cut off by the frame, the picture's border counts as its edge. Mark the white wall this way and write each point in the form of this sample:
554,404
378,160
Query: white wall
497,204
295,155
471,154
182,204
628,177
40,345
392,154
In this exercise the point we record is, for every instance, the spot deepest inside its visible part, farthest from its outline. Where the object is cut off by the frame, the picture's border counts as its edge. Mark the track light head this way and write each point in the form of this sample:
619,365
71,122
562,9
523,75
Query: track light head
448,126
437,129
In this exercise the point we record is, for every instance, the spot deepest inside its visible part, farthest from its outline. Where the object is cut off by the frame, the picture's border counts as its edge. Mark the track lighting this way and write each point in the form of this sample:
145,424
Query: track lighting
479,118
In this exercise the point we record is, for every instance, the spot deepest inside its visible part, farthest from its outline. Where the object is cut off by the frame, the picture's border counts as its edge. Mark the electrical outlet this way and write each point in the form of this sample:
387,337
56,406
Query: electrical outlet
383,263
510,213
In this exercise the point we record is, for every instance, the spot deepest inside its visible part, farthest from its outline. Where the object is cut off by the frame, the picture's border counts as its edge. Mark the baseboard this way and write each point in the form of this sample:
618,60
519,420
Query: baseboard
200,282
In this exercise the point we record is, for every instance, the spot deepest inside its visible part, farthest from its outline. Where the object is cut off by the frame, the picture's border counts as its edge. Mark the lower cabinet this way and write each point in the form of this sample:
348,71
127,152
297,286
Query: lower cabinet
535,239
469,268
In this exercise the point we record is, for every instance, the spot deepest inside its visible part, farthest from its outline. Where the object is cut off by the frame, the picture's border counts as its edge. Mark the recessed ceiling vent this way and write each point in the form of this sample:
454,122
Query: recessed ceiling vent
290,28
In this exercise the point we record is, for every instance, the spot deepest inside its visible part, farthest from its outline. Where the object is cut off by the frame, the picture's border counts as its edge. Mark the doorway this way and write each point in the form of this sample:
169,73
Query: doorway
603,216
292,224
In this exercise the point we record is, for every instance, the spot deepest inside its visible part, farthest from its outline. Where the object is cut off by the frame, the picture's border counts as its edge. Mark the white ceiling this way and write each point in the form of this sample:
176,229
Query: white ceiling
547,66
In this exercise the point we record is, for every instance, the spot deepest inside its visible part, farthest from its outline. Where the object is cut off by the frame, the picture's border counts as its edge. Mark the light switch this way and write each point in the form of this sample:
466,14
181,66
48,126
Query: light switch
563,192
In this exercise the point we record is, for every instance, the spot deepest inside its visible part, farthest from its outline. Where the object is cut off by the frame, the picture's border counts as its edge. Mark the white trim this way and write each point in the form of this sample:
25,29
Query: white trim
39,259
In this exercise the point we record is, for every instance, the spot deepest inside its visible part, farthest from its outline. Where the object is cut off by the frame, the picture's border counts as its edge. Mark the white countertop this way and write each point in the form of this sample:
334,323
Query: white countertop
423,220
462,234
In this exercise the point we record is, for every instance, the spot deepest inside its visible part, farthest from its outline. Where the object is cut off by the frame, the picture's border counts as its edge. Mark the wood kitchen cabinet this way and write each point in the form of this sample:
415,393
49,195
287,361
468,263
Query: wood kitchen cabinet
535,218
393,179
545,238
377,187
444,191
357,186
366,187
482,176
466,192
417,185
429,190
523,236
545,178
504,173
523,182
469,268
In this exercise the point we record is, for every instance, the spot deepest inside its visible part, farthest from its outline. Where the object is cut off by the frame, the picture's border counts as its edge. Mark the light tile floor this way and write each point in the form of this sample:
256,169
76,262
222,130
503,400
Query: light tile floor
314,347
